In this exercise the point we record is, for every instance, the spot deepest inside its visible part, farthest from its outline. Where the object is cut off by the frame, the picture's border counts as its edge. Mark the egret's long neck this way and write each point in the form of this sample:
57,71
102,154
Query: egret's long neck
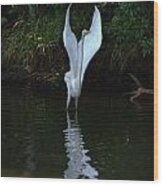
81,62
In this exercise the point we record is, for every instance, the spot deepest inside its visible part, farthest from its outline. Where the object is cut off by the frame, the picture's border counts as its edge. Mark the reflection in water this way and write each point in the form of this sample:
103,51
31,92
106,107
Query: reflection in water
29,163
79,162
119,135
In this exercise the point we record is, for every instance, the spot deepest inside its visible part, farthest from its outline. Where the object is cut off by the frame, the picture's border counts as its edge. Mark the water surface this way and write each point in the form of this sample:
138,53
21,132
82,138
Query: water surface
109,138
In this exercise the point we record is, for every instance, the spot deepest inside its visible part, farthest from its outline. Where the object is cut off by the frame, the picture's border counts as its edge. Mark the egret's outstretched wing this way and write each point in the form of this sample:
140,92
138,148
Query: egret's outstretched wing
92,41
70,43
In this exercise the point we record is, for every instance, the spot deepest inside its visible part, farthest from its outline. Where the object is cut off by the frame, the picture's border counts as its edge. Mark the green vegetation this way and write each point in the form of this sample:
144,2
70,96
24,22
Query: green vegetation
33,51
131,29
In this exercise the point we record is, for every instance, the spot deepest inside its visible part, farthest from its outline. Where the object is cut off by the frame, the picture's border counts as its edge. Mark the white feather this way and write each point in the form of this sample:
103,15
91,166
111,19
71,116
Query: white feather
70,43
92,41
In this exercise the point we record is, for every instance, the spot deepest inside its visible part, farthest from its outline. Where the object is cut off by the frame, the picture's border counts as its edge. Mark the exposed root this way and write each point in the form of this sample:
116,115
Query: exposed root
141,90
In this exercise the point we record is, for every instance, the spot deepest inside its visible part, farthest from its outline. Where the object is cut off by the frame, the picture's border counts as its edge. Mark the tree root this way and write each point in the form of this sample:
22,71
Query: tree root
141,90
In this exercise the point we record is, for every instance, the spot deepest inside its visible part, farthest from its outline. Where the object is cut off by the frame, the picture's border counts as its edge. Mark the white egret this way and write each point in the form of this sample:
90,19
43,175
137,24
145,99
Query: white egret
80,53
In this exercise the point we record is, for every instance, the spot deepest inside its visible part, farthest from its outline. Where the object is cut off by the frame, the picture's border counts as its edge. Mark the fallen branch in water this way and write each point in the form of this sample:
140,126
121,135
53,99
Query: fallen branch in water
141,90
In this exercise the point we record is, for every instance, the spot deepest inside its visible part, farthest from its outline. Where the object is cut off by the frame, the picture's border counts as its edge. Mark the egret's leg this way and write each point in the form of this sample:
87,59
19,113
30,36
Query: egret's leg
76,116
76,103
68,101
68,121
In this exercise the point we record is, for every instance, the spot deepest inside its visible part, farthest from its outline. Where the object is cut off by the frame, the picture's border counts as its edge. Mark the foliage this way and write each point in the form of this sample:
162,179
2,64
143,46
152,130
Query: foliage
131,29
32,40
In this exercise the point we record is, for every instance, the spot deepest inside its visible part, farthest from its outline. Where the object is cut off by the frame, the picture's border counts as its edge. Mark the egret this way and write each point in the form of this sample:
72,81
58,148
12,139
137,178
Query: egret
80,53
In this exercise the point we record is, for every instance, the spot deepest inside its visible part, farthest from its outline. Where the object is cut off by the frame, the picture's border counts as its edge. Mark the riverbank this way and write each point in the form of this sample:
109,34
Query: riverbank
33,53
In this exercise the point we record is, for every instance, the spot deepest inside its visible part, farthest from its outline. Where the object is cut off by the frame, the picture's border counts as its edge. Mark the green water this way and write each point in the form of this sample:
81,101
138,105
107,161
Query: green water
109,138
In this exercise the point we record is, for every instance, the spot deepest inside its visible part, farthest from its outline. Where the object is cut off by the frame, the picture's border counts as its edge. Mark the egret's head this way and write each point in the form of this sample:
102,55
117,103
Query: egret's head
85,32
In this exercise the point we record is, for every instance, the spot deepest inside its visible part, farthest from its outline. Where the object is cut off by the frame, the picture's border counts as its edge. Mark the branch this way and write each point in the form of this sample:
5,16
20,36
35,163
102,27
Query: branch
135,79
141,90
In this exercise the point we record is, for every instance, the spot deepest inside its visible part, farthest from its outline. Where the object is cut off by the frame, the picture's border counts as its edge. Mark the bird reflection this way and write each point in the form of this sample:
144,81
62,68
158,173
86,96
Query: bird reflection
78,165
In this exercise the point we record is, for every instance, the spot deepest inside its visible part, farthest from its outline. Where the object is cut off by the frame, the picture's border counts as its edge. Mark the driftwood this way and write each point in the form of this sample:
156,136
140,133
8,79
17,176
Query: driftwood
141,90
